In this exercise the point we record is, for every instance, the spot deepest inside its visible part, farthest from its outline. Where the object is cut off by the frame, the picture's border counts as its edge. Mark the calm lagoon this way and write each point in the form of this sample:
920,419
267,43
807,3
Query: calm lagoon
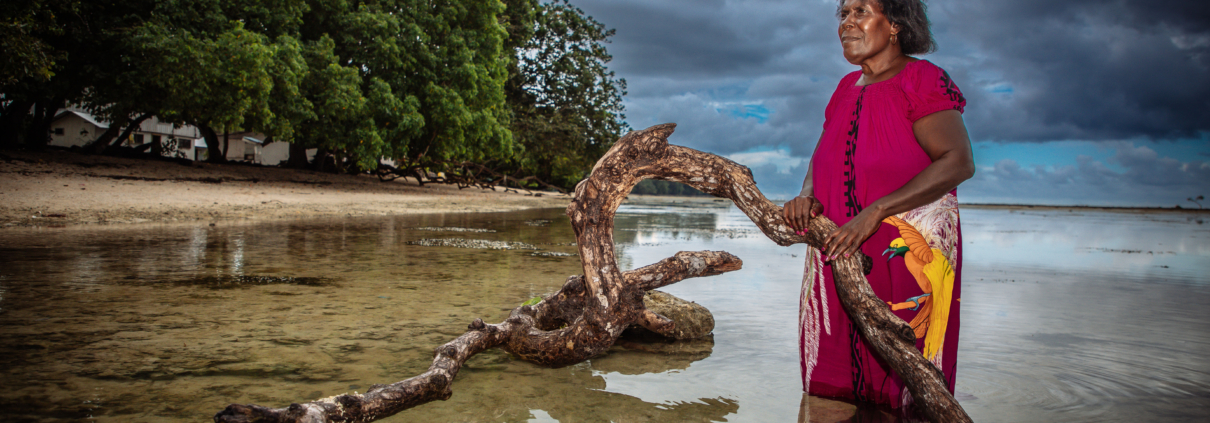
1068,315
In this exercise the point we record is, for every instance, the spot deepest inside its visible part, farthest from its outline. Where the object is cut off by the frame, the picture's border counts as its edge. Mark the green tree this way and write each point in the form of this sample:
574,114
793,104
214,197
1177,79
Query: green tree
22,26
566,104
415,81
429,83
60,48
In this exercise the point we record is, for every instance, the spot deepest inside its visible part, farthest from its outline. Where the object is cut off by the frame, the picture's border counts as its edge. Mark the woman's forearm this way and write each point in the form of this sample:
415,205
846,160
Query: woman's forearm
808,189
943,137
939,178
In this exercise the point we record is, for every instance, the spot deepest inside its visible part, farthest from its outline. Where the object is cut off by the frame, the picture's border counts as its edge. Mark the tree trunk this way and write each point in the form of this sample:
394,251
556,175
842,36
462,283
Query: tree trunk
226,144
38,132
211,138
216,153
298,155
101,143
131,127
111,139
13,118
588,314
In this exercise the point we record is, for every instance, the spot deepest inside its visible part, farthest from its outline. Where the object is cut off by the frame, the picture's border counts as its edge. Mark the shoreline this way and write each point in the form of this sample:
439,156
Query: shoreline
58,188
66,189
669,200
1110,209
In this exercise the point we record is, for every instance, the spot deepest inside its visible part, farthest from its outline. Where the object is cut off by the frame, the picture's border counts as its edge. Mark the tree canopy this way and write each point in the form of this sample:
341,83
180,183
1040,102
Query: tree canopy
567,105
517,86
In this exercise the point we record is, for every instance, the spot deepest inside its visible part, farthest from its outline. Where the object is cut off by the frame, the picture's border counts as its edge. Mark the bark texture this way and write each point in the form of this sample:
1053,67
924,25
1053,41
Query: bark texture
524,322
588,314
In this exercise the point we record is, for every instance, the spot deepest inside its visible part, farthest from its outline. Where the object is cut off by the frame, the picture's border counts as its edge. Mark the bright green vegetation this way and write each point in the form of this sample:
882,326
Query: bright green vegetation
515,86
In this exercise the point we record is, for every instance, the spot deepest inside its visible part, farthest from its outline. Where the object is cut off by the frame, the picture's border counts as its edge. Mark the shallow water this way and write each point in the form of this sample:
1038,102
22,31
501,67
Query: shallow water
1068,316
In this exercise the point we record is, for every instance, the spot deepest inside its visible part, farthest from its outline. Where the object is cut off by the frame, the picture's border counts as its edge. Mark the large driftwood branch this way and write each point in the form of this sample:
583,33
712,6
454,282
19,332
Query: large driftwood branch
647,154
554,311
592,310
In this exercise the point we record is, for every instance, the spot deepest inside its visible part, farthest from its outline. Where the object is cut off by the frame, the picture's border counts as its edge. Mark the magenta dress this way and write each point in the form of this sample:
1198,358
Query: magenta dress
867,151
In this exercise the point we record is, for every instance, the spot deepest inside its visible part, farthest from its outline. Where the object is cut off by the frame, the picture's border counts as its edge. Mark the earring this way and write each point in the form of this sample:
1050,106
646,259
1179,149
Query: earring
894,38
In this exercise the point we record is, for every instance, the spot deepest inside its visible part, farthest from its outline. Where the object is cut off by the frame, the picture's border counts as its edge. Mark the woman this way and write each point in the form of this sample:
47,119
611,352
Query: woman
892,153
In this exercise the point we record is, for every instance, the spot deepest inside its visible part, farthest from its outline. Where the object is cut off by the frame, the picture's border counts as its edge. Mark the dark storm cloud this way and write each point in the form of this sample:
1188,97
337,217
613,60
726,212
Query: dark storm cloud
704,39
1046,70
1031,70
695,63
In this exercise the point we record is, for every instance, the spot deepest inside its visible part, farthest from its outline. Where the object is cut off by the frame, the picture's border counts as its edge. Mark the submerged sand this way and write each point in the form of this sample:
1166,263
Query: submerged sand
62,188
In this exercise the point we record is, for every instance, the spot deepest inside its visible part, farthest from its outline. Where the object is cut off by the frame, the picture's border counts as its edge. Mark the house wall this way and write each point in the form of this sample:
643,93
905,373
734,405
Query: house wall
186,136
275,153
185,147
77,131
72,136
271,154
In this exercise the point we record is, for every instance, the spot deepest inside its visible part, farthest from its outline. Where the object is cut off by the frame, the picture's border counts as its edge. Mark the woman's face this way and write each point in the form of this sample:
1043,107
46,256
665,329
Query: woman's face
864,31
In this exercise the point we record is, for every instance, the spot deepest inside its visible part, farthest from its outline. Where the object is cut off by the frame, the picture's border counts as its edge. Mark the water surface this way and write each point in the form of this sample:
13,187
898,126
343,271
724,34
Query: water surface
1068,316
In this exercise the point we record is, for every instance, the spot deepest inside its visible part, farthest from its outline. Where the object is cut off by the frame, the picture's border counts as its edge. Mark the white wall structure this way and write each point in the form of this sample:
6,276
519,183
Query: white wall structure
72,128
76,127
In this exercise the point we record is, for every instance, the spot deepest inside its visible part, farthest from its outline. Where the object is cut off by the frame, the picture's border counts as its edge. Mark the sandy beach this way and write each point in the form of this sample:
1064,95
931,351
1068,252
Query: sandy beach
63,188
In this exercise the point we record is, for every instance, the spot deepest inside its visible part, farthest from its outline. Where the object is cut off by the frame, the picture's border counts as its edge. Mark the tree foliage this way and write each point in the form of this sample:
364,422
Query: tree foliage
566,104
658,187
514,85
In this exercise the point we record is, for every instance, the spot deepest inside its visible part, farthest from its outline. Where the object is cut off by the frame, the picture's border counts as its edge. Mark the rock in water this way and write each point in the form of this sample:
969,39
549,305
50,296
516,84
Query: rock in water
692,319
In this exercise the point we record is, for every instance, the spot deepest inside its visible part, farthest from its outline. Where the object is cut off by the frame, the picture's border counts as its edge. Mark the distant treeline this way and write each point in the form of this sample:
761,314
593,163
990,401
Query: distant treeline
517,86
658,187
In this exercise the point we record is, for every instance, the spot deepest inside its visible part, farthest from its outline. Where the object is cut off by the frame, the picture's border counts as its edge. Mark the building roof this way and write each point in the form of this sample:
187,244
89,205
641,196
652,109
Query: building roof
83,115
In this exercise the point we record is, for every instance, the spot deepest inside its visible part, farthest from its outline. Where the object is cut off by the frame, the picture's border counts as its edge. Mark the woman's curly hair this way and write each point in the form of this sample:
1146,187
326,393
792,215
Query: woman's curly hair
915,36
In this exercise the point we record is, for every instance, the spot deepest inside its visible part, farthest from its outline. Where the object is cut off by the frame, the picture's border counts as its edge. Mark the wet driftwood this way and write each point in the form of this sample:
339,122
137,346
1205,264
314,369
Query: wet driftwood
588,314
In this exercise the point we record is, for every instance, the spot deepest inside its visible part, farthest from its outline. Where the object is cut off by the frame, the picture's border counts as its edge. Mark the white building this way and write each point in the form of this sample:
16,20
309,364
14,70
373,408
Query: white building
75,127
251,147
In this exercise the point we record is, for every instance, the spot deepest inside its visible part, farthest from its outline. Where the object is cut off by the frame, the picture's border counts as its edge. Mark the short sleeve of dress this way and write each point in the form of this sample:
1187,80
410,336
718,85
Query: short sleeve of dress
930,91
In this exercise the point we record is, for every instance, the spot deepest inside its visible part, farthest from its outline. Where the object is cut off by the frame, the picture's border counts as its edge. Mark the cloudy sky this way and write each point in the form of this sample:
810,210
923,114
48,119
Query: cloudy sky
1075,102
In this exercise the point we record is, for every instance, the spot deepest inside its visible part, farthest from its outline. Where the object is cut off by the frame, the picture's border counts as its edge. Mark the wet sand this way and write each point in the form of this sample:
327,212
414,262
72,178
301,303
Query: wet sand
63,188
1081,317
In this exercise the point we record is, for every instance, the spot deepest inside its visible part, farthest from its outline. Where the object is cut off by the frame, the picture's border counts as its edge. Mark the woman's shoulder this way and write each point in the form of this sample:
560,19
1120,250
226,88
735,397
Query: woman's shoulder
929,89
920,71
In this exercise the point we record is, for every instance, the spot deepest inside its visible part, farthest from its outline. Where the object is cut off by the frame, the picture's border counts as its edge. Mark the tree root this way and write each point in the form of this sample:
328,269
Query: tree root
514,333
591,311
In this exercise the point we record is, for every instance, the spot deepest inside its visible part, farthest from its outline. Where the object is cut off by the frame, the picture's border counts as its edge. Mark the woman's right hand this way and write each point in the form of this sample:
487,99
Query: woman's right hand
799,211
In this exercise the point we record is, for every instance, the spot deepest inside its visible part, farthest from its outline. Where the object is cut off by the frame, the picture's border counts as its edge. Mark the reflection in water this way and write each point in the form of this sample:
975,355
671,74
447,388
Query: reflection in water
1069,316
821,410
647,353
173,323
1157,247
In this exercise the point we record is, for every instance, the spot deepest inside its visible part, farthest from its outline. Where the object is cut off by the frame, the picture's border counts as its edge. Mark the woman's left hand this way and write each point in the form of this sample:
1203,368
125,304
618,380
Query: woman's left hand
846,240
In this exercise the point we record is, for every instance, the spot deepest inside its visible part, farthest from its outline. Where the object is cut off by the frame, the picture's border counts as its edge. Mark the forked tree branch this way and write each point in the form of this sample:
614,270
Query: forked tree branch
588,314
